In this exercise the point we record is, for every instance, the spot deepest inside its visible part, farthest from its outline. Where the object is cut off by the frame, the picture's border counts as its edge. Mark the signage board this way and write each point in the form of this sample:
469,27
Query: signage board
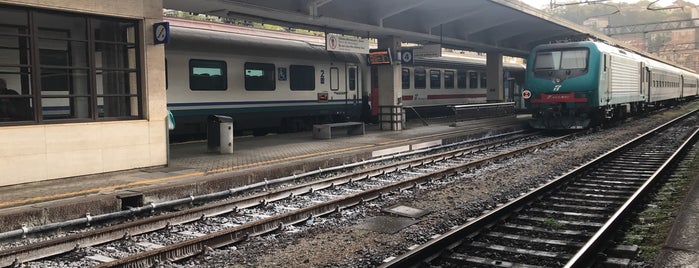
428,50
161,33
406,56
380,56
338,42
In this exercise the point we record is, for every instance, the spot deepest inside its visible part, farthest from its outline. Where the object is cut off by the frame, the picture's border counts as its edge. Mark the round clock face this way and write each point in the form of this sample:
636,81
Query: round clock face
160,33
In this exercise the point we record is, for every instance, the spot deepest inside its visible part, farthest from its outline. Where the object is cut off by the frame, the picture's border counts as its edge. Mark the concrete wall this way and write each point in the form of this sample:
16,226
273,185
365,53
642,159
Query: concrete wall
42,152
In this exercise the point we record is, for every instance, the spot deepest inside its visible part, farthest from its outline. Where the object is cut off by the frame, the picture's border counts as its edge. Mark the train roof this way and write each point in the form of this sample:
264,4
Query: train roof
651,62
453,62
195,38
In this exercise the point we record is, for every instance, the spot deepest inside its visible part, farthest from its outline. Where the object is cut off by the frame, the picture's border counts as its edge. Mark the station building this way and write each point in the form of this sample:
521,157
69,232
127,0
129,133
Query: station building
85,88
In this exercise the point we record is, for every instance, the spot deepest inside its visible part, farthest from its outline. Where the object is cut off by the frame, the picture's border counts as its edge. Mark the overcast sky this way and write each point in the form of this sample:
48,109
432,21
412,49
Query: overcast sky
545,3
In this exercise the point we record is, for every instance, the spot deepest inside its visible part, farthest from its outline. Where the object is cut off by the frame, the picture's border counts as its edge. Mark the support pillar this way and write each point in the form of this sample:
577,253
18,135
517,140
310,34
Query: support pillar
495,86
390,90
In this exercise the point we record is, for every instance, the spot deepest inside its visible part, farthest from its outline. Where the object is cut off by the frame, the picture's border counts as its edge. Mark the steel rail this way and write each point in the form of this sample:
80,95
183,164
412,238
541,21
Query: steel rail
189,248
430,250
585,255
65,244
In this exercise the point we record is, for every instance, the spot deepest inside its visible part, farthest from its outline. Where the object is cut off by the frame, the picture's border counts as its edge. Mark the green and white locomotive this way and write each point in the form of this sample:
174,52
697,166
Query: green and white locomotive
581,84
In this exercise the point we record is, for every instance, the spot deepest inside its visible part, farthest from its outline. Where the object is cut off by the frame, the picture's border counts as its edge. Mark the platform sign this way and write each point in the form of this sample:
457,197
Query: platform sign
342,43
406,56
380,56
161,33
428,50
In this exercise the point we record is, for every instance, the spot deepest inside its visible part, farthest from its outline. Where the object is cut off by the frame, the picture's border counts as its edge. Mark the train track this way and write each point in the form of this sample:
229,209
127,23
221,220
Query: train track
379,181
568,221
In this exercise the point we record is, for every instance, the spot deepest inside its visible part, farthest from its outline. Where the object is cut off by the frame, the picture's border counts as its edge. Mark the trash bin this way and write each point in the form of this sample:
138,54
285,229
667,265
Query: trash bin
219,134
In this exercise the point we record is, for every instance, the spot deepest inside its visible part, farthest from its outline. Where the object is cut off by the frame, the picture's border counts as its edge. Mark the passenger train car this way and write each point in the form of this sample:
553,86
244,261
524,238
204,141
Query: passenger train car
271,84
581,84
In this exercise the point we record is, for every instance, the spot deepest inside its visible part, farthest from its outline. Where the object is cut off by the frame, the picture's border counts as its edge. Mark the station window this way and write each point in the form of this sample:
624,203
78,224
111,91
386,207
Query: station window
260,76
461,79
207,75
435,79
448,79
405,78
472,80
420,78
65,67
302,77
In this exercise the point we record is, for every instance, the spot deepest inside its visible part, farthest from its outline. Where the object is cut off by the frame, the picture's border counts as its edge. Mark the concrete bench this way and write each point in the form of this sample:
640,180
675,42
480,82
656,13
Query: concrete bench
324,131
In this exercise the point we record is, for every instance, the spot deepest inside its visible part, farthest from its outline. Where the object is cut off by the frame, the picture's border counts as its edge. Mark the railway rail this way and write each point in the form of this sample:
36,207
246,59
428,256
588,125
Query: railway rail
459,160
568,221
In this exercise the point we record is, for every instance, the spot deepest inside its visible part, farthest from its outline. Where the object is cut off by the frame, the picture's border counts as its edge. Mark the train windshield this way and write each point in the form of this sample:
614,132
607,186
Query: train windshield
561,60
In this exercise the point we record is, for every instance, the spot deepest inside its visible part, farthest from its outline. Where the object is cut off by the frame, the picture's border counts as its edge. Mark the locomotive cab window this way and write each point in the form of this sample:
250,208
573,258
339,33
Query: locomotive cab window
207,75
260,76
561,60
302,77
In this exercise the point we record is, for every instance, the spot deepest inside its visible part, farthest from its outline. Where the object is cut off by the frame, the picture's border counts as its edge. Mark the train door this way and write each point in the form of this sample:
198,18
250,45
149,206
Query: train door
353,91
605,80
352,85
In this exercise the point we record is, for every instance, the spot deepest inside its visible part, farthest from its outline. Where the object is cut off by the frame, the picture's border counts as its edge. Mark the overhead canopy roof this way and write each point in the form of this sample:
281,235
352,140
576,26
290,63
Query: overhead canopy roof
506,26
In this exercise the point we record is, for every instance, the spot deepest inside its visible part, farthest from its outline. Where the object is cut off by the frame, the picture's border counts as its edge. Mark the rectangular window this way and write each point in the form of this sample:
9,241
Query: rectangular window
448,79
260,76
484,80
472,80
561,60
81,67
435,79
207,75
420,78
405,78
352,78
302,77
461,79
334,78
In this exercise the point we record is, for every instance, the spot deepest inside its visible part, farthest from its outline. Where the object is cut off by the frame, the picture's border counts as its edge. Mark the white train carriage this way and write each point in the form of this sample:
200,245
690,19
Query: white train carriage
432,84
264,84
664,82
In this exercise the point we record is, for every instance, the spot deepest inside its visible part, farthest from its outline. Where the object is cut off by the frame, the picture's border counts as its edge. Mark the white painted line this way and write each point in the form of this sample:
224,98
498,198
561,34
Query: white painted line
425,145
388,151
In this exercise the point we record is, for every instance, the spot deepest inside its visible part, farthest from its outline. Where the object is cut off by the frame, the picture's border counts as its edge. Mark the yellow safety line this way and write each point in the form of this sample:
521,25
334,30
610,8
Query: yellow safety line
198,173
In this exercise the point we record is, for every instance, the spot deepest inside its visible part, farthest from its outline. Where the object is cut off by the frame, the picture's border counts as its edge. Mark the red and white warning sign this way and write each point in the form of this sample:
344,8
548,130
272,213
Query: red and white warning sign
526,94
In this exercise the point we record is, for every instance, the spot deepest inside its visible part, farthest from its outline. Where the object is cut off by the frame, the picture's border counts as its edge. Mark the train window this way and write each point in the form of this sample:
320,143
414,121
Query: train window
435,79
302,77
260,76
557,60
472,80
405,78
484,80
448,79
352,78
420,78
461,79
334,78
207,75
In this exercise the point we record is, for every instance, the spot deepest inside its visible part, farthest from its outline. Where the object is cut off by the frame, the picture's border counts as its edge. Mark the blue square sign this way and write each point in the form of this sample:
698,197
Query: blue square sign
161,33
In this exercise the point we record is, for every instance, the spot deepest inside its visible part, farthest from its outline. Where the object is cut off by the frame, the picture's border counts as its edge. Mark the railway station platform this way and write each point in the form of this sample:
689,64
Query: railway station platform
193,171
